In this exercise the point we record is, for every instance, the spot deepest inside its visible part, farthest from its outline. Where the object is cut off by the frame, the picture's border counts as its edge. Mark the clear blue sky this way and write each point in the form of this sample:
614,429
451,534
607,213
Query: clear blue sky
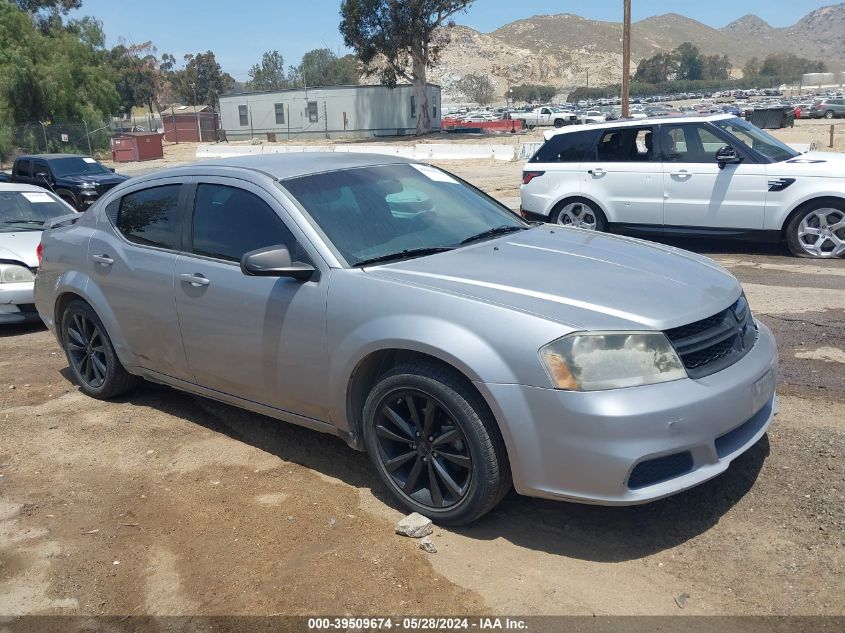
239,32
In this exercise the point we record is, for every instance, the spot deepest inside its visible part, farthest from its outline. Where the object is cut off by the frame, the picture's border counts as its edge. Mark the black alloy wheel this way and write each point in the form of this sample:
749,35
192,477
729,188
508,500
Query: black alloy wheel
90,353
87,351
423,449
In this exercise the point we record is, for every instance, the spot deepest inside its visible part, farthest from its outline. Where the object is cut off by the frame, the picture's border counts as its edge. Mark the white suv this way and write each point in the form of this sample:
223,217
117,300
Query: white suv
716,176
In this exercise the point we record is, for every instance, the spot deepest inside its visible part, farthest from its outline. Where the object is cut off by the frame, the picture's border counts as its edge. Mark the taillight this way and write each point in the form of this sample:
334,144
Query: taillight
39,253
528,176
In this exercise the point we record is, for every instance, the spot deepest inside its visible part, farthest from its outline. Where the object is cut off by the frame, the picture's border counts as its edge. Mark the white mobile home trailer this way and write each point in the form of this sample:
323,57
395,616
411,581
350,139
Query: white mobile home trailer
331,112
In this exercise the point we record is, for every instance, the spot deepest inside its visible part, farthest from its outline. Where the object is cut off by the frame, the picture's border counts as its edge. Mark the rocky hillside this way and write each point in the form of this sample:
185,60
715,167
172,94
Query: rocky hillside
567,50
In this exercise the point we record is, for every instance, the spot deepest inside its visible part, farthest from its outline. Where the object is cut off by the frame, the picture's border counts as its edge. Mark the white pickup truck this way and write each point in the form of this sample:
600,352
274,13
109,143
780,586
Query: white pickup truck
545,116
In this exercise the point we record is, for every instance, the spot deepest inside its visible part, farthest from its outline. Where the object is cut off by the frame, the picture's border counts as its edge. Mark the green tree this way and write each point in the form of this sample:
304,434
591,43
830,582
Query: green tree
269,74
533,93
476,87
715,67
751,68
138,77
321,67
201,82
660,67
58,76
789,65
47,14
391,37
690,65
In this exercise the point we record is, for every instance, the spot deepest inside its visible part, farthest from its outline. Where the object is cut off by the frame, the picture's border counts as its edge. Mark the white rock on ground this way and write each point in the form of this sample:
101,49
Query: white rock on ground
414,525
427,545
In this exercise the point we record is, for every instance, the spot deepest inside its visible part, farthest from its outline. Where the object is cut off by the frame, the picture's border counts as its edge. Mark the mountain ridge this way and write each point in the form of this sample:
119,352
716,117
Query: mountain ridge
566,49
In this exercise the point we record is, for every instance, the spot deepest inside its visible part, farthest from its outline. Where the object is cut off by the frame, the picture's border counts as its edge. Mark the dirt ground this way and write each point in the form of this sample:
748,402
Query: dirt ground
165,503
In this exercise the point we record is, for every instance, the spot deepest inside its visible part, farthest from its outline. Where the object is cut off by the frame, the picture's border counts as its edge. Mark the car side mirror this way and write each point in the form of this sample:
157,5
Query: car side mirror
275,261
43,175
727,156
111,169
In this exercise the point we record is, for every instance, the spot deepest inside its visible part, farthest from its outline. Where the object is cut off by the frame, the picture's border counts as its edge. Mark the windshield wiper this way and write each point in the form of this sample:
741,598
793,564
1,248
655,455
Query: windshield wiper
38,222
408,253
499,230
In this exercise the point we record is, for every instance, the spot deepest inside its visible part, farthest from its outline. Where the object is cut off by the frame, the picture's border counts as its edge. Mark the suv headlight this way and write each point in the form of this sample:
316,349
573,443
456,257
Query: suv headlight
611,360
13,274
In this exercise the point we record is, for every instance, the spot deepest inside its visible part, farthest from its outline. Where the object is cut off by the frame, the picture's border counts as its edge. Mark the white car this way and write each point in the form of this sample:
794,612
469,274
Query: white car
24,211
714,176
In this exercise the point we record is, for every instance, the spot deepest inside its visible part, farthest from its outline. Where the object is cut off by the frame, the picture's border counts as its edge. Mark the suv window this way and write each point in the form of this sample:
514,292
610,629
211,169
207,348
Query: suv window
691,143
229,222
150,216
565,148
23,168
626,144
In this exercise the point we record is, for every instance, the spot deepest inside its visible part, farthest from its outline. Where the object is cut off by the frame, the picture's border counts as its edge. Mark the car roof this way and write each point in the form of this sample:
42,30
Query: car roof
639,122
289,165
13,186
49,156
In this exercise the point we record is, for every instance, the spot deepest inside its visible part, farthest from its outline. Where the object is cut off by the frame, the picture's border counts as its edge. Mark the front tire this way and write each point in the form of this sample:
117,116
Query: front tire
818,230
579,213
829,114
435,445
90,354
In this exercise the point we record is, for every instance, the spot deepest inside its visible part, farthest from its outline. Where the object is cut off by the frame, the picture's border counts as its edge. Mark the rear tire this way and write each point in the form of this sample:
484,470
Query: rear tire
579,213
818,230
435,445
90,354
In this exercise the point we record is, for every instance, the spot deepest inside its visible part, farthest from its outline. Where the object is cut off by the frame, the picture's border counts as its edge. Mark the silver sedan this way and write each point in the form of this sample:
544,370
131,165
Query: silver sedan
388,302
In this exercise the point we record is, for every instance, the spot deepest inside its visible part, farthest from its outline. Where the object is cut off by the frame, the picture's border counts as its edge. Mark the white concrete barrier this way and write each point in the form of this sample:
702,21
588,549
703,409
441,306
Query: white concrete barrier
463,151
225,151
420,151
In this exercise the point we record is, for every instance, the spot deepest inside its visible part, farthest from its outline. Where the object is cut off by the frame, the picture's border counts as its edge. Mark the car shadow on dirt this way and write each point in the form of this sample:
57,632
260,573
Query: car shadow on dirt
596,533
713,246
20,329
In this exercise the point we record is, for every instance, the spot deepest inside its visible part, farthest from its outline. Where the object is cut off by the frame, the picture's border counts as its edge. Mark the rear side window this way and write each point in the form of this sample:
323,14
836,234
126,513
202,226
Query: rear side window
151,216
23,168
229,221
566,148
628,144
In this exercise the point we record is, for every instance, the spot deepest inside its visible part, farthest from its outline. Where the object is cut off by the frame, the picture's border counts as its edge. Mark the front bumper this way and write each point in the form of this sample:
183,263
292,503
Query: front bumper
585,446
16,303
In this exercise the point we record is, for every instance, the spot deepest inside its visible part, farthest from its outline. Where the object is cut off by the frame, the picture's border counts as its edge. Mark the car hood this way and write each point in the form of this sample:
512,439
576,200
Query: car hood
99,179
581,278
20,247
831,164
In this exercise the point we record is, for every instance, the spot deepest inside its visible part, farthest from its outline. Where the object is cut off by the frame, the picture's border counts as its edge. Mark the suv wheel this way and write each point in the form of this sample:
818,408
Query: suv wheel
818,230
91,355
829,114
434,444
581,214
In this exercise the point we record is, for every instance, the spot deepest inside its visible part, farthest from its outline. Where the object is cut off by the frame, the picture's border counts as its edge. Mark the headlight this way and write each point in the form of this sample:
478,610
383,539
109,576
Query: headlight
611,360
12,274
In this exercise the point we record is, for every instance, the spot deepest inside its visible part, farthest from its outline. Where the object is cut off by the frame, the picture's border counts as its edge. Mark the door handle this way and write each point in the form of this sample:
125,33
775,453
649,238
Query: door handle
103,259
195,279
598,171
683,173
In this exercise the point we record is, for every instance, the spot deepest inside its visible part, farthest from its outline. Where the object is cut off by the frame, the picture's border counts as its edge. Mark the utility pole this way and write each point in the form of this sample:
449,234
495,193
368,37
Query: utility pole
626,59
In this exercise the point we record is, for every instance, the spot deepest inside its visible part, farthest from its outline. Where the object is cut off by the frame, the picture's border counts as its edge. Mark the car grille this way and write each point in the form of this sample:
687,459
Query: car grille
103,187
714,343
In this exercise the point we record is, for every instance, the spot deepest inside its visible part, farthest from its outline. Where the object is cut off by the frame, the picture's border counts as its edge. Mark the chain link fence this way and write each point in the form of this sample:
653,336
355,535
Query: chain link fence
91,138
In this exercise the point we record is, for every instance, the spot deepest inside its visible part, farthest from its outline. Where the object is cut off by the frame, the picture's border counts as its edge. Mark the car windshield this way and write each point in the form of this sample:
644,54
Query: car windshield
397,211
753,137
29,210
75,166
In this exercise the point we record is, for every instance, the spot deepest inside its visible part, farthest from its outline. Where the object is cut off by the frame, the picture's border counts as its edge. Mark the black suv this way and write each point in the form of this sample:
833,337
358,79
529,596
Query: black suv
78,180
